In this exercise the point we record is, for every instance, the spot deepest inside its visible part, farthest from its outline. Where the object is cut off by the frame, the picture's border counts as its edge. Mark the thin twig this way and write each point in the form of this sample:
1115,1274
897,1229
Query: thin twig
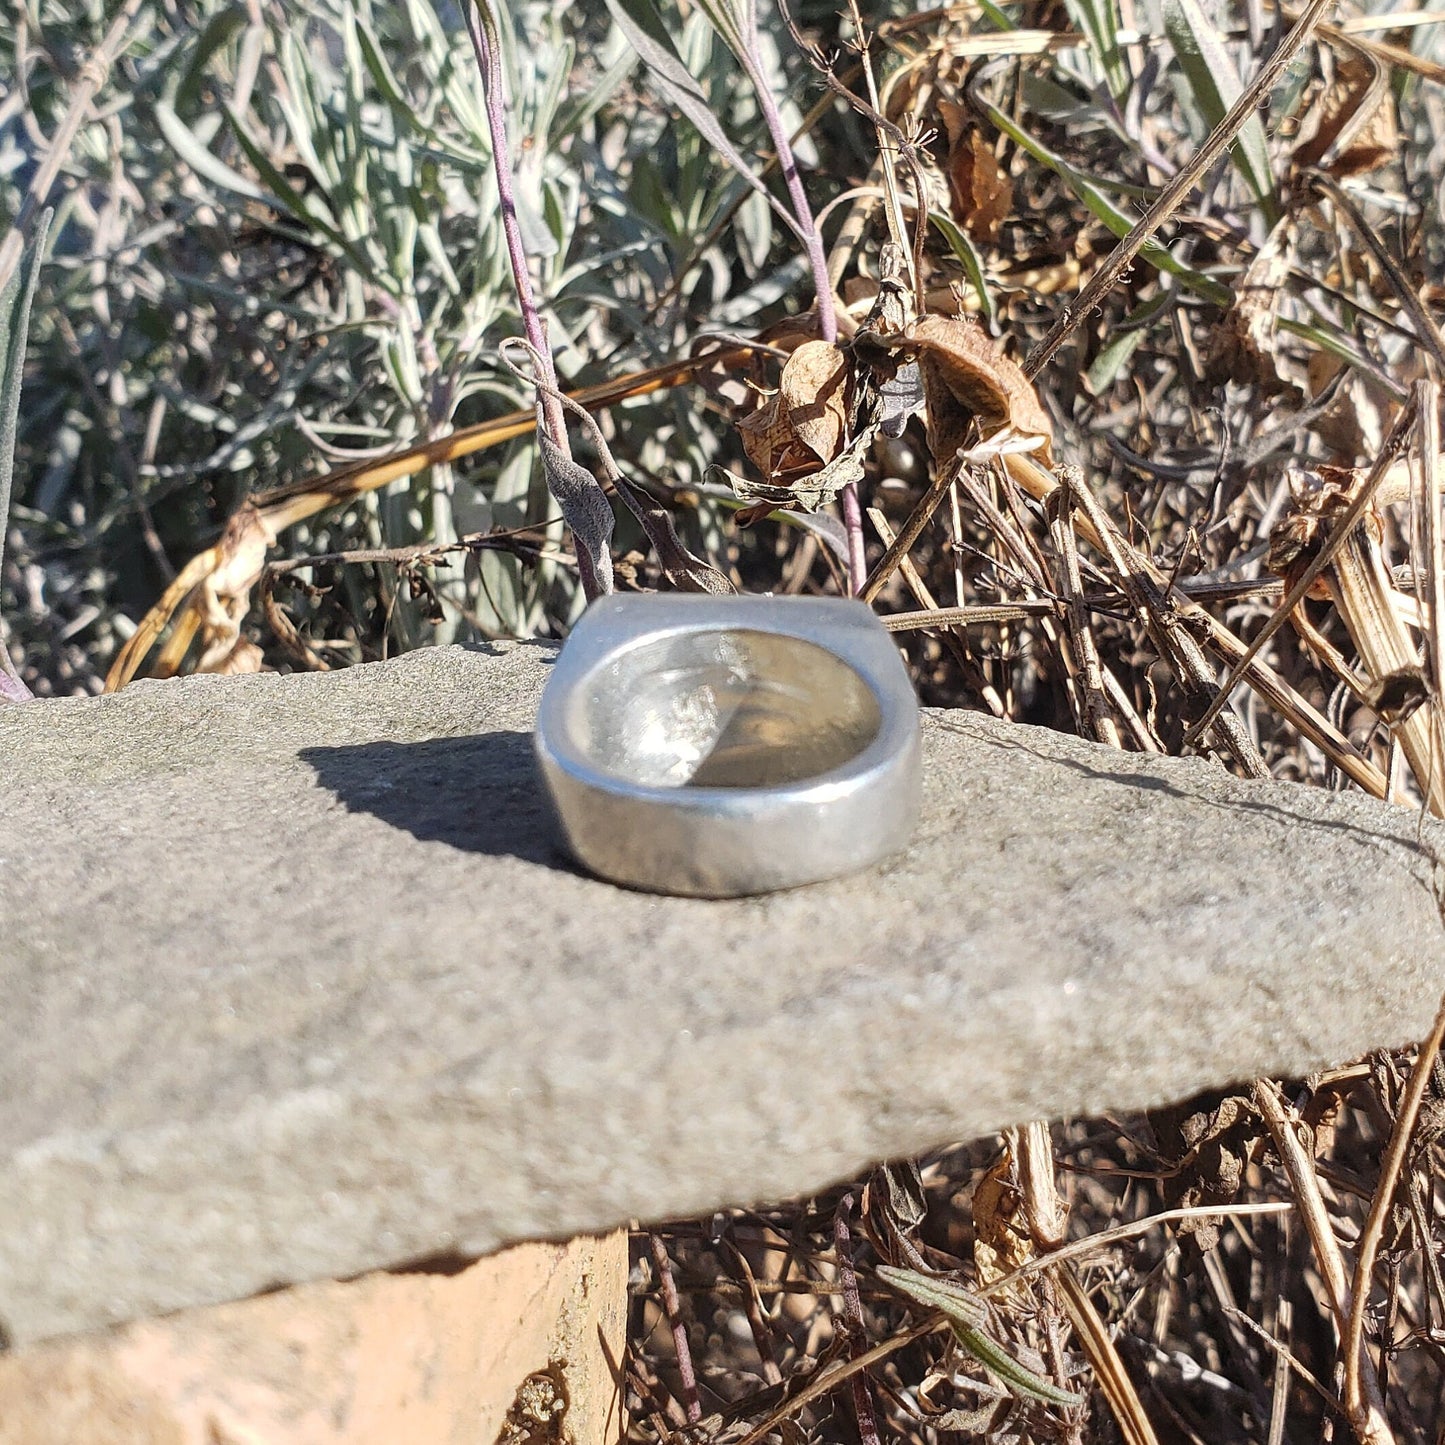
817,260
1430,578
1371,1424
1106,1239
909,533
1322,559
88,82
481,26
827,1380
1185,179
486,43
1094,718
1352,1345
853,1313
672,1307
973,674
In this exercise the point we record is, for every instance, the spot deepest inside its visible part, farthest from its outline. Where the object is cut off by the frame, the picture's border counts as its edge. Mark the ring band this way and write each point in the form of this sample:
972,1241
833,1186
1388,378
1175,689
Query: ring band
720,746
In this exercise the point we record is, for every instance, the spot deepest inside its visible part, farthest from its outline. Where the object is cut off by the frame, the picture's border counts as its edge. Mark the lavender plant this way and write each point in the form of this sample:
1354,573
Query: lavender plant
16,295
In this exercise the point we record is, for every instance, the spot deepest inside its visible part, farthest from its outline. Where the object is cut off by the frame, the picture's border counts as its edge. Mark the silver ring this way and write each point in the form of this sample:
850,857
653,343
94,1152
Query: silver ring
718,746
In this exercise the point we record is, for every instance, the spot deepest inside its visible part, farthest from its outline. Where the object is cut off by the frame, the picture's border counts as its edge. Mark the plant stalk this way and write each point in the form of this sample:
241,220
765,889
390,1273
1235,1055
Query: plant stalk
486,42
817,262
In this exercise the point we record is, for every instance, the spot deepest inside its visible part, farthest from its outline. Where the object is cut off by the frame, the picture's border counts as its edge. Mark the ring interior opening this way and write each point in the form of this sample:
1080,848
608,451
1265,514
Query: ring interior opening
729,708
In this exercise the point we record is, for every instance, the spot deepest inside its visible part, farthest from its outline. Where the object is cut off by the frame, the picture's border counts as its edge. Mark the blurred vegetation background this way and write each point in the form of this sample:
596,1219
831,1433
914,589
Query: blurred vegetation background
277,247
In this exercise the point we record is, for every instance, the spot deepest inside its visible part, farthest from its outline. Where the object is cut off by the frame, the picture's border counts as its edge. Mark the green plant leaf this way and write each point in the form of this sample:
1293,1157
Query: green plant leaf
1099,20
1125,342
966,253
639,21
199,157
1215,85
218,32
968,1315
1118,221
287,198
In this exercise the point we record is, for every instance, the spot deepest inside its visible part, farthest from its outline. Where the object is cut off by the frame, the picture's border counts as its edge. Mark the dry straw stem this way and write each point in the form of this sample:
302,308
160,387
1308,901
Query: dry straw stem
1106,1239
283,507
1286,1357
1173,195
830,1377
1370,1423
977,615
1146,590
947,629
1046,1215
1346,524
1427,332
826,1380
1087,672
1105,1361
1360,587
910,532
1041,484
1352,1344
1427,521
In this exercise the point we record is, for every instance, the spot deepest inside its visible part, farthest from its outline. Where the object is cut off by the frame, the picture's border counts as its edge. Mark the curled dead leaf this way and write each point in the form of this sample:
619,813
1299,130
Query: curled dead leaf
967,379
802,424
1243,346
813,393
1353,129
799,438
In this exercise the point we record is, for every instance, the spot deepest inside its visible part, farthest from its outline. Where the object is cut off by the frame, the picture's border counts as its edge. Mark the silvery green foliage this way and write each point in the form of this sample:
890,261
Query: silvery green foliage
16,296
277,248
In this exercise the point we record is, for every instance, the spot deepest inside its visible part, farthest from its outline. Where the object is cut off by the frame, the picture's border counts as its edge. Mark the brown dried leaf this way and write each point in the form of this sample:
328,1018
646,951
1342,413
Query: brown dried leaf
226,594
1210,1139
799,438
766,436
1354,129
983,196
967,378
813,394
1001,1237
804,490
1243,345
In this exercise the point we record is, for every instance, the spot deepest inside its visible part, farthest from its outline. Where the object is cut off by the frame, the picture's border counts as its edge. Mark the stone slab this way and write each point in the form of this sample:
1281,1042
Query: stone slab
297,986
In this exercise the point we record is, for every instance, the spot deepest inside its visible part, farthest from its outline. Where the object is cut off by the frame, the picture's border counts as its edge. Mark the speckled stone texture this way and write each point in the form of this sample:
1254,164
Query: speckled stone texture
296,984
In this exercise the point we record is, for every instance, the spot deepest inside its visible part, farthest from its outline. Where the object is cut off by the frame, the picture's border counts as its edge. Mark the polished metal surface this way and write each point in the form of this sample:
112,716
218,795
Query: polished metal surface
719,746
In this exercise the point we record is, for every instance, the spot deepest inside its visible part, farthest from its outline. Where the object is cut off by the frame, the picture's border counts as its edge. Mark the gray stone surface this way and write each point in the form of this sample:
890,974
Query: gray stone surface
295,984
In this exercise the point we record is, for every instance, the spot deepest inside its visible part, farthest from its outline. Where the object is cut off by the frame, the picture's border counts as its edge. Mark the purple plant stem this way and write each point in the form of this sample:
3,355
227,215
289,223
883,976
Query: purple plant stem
12,689
481,26
817,260
673,1308
853,1313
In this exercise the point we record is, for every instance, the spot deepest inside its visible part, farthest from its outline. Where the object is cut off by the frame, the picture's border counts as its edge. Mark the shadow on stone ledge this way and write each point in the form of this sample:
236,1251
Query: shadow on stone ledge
482,794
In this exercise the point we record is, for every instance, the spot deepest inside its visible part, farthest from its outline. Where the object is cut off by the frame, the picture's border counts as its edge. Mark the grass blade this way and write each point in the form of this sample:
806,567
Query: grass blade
967,1314
1216,86
1119,222
1099,20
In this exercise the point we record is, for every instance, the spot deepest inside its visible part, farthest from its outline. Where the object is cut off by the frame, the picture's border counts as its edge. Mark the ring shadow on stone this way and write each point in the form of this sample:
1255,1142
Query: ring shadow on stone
482,793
